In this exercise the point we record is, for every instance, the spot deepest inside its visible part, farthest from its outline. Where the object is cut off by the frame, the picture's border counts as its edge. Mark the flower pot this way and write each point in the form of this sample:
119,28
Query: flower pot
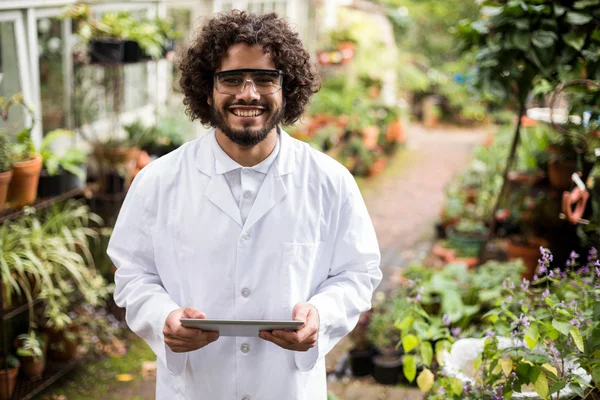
132,52
8,379
49,186
59,347
33,368
168,46
69,181
370,136
24,183
560,172
528,251
107,51
5,178
361,361
387,369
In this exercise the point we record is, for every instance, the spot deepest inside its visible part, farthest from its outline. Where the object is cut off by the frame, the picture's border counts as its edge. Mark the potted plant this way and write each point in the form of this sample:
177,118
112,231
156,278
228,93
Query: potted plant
387,363
5,170
363,350
60,172
31,350
467,235
26,164
9,369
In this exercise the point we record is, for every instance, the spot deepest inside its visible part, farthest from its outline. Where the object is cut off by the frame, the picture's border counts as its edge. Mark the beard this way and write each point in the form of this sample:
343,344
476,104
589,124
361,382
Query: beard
248,136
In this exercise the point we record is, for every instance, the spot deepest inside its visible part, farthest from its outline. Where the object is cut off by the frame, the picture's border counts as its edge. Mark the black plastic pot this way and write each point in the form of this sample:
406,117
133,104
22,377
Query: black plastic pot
169,46
49,186
361,361
107,51
70,181
132,52
387,369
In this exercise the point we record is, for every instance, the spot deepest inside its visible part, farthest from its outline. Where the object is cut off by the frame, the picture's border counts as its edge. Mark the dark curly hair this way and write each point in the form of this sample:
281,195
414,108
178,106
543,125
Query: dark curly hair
276,38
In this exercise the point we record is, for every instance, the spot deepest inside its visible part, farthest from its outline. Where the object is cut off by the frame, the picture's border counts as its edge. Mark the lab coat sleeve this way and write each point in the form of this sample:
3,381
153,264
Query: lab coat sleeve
353,276
138,285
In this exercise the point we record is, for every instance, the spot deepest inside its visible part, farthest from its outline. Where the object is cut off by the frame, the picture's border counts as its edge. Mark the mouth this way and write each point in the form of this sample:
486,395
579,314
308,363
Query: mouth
247,112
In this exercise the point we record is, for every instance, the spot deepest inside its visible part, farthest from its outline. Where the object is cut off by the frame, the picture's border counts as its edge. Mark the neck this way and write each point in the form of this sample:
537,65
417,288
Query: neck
247,156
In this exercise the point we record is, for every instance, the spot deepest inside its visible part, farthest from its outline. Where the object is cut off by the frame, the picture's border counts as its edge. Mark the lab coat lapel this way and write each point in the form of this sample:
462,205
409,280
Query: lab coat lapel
273,189
217,190
219,193
271,192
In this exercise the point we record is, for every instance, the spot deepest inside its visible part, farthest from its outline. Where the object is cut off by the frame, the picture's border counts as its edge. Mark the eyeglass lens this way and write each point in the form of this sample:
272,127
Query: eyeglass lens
234,82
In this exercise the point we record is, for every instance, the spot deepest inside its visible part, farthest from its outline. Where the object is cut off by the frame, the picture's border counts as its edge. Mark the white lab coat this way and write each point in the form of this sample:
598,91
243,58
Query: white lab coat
179,242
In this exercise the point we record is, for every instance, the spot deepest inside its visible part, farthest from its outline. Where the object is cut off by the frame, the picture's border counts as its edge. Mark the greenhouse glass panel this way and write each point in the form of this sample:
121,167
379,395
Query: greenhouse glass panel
50,53
9,75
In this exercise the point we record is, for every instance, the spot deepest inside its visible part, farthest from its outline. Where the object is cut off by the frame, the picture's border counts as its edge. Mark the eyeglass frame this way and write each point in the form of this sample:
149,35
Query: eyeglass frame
217,74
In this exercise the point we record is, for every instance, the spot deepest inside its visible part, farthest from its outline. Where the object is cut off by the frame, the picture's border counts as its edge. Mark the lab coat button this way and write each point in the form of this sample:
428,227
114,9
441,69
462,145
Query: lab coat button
247,194
245,292
245,348
245,236
246,398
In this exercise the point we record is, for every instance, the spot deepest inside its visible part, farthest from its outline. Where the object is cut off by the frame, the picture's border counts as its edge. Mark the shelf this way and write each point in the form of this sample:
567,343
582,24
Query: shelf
27,389
45,203
16,311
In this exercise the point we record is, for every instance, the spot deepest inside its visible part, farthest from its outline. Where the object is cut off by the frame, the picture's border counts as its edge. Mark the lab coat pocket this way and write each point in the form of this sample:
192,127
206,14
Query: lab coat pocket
297,270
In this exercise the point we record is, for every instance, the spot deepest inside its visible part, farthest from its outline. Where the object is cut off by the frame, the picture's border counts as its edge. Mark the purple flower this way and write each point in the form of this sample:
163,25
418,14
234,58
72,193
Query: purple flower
446,320
490,334
545,293
525,284
411,283
551,274
418,297
535,277
455,331
597,272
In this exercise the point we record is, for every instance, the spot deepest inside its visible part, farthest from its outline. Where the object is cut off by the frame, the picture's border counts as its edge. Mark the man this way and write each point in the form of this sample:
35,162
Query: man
244,223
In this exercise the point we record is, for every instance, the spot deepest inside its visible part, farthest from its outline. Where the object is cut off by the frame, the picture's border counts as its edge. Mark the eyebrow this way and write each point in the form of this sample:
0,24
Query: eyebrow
237,71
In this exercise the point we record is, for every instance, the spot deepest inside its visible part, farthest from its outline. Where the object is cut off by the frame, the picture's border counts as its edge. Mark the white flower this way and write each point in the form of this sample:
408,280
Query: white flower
44,25
54,44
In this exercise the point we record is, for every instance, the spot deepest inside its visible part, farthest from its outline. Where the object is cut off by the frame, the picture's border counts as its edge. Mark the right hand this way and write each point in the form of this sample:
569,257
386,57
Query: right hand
181,339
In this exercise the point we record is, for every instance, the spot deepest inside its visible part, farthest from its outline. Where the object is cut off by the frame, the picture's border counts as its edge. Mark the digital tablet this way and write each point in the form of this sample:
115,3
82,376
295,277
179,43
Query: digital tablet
246,328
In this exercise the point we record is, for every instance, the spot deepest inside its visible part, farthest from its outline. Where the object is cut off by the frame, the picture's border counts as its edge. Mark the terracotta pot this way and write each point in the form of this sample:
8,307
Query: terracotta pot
560,172
4,182
8,379
529,253
395,132
24,183
33,368
443,253
524,178
59,347
377,167
370,136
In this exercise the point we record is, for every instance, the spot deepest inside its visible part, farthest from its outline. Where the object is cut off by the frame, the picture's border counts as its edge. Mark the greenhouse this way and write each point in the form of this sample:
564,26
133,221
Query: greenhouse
304,199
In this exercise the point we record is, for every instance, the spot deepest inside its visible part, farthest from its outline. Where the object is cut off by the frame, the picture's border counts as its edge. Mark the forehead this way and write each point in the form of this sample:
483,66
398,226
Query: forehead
242,55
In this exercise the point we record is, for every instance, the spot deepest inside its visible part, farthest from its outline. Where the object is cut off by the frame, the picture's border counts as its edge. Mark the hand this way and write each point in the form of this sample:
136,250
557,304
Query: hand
181,339
304,338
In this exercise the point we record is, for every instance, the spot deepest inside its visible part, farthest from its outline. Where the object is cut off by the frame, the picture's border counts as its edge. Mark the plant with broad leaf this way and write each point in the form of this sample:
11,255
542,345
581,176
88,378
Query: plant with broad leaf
31,345
552,326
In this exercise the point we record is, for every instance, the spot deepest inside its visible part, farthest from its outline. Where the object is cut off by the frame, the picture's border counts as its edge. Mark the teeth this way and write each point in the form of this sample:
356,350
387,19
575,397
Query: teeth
247,113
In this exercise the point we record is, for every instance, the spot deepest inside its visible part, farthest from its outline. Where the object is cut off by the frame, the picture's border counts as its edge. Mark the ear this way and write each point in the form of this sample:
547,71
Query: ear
209,100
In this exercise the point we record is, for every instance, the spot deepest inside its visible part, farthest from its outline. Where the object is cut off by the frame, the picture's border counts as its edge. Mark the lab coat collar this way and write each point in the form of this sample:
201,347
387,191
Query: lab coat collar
272,191
286,161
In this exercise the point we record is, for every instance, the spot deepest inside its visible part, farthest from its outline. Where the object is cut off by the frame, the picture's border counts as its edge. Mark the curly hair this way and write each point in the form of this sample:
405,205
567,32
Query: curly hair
276,38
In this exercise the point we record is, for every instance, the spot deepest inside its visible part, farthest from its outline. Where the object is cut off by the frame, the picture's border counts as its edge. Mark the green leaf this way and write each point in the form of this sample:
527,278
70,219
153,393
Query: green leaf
585,3
543,39
425,380
506,365
596,37
405,324
578,390
541,385
521,40
409,342
576,335
560,385
562,327
457,386
535,372
559,10
596,374
577,18
426,353
532,336
523,370
575,40
409,368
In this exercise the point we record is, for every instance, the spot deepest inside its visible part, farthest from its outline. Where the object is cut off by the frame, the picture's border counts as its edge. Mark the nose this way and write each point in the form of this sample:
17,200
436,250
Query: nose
248,92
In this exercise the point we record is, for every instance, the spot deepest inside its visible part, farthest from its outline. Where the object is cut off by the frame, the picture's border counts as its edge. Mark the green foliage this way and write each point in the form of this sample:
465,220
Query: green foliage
70,160
4,153
31,345
520,42
22,148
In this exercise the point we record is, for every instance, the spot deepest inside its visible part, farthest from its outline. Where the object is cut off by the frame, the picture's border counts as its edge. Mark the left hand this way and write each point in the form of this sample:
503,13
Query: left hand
304,338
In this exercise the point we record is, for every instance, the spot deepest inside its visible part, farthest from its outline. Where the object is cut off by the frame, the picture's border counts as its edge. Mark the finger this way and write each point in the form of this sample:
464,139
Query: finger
279,342
300,312
190,312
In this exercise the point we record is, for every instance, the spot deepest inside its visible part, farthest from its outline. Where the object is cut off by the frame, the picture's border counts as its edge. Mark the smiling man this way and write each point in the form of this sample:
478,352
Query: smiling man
245,223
